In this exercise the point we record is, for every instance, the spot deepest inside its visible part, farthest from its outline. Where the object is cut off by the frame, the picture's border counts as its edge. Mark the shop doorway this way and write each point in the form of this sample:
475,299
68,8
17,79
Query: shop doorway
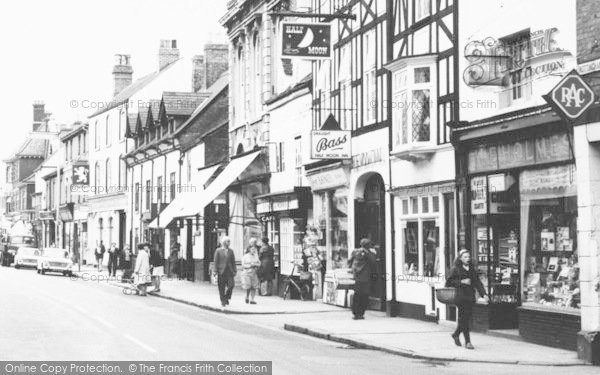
370,223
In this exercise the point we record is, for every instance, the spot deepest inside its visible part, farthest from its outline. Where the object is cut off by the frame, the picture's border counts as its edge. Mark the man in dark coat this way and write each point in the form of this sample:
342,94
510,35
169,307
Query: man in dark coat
157,264
113,259
100,255
364,267
226,270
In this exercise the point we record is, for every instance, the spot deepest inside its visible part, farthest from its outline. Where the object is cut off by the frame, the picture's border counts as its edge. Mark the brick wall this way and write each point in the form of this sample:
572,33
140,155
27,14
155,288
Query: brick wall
198,73
216,61
549,328
588,30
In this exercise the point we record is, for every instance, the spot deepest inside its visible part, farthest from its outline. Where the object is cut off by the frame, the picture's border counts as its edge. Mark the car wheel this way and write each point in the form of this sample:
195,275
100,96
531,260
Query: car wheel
43,271
69,274
16,267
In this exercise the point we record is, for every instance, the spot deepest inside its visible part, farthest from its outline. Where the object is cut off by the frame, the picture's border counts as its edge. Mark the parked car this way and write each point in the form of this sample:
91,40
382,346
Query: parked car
13,242
26,257
55,260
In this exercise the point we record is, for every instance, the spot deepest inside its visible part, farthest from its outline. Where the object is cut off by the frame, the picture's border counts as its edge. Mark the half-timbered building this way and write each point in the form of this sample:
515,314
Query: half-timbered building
423,102
350,92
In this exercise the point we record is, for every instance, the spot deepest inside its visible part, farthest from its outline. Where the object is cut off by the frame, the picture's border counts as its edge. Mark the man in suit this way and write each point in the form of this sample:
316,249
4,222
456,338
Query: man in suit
226,270
364,268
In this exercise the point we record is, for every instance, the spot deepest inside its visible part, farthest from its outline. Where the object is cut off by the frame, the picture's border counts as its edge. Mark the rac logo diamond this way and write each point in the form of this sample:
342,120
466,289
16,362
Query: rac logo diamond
573,96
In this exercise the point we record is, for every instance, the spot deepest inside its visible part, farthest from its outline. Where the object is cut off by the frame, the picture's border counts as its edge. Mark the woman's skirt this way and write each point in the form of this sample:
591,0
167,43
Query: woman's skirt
250,279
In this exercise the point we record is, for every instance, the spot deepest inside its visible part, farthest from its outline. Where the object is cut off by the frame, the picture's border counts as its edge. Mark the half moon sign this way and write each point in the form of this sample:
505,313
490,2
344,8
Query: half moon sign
307,40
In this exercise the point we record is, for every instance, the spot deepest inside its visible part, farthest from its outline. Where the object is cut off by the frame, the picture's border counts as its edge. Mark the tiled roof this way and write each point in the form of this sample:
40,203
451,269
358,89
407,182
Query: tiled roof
131,122
127,92
32,147
143,116
216,88
154,108
182,103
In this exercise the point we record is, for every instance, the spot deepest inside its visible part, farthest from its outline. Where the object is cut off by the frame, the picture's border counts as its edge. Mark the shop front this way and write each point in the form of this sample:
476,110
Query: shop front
519,219
285,216
329,226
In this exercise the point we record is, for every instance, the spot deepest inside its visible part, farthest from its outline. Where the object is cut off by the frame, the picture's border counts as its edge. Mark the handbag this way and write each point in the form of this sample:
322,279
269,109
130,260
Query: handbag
305,275
446,295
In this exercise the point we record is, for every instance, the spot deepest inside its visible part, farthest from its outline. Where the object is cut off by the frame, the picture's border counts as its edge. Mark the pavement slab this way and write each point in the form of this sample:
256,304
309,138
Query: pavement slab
424,340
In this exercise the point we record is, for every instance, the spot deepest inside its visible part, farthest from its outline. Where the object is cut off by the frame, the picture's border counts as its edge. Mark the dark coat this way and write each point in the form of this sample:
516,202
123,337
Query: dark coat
267,263
465,294
363,264
225,259
156,259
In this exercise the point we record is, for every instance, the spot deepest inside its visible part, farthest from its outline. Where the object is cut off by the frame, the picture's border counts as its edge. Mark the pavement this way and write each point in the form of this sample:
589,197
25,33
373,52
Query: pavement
425,340
205,295
404,337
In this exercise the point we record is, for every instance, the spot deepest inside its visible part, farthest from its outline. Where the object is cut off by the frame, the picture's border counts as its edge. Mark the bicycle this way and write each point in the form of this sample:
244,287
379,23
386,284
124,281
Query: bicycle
301,285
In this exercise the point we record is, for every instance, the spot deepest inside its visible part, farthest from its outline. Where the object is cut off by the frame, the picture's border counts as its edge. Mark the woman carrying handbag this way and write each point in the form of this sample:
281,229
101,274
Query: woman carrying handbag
463,277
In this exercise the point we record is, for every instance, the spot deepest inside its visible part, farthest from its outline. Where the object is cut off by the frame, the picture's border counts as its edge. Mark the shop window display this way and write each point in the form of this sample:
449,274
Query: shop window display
495,234
331,221
421,238
549,227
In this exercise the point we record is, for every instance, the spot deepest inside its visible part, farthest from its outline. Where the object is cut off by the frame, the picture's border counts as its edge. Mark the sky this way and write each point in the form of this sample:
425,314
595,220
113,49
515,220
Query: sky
61,51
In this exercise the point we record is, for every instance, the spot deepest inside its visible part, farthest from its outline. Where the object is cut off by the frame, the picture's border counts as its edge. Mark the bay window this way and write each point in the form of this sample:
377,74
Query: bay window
412,106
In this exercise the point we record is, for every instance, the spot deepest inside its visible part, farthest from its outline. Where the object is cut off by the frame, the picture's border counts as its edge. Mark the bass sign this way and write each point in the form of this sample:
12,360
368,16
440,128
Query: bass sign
331,144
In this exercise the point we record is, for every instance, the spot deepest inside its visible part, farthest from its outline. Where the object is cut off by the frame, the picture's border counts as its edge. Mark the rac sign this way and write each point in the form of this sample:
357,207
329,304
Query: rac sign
573,96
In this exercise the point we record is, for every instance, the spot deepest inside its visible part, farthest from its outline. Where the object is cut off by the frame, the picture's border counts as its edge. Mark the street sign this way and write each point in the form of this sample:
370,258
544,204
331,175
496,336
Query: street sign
572,96
306,40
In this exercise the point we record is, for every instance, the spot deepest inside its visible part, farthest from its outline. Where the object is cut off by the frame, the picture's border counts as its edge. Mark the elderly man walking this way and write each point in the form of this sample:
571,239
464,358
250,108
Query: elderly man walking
226,270
363,266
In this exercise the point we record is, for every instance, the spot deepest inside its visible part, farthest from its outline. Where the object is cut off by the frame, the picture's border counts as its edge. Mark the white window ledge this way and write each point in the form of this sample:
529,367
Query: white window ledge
415,152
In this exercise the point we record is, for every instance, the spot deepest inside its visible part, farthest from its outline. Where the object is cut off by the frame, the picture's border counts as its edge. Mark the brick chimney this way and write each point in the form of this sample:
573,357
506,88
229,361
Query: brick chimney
198,73
216,58
167,53
122,73
39,114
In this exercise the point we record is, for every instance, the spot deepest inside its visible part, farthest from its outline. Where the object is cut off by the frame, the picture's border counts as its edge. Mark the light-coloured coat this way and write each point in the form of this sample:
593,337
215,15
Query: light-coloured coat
142,268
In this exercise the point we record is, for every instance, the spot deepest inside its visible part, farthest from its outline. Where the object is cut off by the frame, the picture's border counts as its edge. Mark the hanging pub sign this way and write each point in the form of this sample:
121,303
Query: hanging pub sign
572,96
306,40
80,179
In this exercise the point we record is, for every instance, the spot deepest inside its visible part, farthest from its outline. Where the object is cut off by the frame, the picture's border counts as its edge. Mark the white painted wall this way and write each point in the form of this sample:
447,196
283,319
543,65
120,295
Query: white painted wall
500,18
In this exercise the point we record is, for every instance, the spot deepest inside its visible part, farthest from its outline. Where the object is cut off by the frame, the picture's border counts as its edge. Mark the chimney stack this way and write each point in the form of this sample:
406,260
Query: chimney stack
39,114
216,58
198,73
122,73
167,53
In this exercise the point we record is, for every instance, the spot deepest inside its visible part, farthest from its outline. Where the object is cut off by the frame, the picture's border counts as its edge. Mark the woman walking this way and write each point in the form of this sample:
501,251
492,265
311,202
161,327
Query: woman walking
464,278
267,265
250,264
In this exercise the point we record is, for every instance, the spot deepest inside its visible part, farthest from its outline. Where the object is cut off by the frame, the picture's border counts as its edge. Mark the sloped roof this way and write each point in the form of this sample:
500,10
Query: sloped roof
129,91
143,116
182,103
221,84
304,82
33,147
132,122
154,105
